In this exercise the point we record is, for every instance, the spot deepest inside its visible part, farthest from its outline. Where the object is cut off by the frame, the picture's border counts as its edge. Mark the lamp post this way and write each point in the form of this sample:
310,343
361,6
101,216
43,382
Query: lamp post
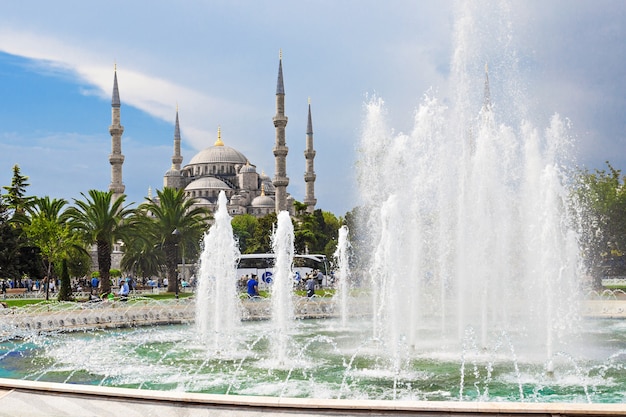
176,235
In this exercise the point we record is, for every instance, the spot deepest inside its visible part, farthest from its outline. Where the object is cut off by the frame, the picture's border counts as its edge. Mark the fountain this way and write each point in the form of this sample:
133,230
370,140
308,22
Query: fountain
218,317
472,280
343,274
282,288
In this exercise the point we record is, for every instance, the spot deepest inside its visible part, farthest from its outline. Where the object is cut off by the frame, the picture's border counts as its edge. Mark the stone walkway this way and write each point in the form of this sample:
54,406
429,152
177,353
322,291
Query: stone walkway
39,399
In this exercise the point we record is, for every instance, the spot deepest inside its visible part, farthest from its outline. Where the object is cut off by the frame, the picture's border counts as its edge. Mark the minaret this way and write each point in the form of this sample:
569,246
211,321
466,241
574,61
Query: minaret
309,174
177,158
116,159
172,178
280,149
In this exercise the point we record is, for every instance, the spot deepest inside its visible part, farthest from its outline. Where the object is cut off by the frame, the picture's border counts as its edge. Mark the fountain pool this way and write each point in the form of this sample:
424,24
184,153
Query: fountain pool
326,360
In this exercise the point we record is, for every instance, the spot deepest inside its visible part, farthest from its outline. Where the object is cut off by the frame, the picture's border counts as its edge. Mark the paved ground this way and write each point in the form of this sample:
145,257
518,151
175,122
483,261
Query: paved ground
38,399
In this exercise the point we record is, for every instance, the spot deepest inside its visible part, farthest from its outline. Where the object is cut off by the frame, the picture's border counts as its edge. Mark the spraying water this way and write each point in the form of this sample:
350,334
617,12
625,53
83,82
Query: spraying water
343,274
476,233
217,306
282,286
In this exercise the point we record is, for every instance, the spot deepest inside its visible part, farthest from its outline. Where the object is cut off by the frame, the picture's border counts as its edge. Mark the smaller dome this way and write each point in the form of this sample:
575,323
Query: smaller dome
207,183
268,186
247,168
263,201
173,173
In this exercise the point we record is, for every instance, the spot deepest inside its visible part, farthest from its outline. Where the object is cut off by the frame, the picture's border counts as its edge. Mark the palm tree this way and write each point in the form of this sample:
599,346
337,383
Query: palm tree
142,256
176,226
100,220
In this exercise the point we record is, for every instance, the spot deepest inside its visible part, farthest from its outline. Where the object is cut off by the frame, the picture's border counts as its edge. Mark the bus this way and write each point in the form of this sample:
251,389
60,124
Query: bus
262,265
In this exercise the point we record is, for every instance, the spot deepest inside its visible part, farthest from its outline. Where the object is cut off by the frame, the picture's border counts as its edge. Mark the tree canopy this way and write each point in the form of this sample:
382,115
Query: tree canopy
601,198
99,219
173,226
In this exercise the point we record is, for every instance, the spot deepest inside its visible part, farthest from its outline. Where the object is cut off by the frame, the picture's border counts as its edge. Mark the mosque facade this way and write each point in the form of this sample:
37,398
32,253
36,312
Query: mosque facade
222,168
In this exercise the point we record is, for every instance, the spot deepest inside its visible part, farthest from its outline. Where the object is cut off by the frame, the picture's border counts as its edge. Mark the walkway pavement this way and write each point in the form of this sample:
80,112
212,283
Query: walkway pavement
39,399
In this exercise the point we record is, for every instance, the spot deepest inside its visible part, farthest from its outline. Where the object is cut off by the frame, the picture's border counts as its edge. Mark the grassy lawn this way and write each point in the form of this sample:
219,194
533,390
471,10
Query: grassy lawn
19,302
165,295
614,287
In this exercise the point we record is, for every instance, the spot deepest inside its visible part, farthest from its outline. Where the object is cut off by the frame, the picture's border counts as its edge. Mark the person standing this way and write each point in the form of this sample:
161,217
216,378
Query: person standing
95,282
124,289
253,286
310,286
320,278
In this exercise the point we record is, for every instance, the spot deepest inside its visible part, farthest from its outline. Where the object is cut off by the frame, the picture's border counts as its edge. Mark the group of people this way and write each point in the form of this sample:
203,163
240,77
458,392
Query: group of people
312,281
125,285
27,283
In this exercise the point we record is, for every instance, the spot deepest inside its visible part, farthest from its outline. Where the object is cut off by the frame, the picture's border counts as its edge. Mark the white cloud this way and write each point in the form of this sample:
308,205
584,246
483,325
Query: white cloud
154,95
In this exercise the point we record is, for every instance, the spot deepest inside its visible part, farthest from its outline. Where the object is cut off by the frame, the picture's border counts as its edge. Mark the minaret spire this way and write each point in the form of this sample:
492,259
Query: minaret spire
173,177
280,149
177,158
280,86
116,159
309,174
115,102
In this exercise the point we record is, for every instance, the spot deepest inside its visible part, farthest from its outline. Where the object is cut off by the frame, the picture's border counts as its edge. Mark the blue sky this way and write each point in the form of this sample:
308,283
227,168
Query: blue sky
217,60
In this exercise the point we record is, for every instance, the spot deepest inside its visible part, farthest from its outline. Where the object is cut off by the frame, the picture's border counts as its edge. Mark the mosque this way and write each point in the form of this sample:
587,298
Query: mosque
222,168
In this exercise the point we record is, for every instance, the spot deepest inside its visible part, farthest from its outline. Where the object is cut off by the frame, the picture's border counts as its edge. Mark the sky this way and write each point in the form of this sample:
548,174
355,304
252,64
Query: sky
217,62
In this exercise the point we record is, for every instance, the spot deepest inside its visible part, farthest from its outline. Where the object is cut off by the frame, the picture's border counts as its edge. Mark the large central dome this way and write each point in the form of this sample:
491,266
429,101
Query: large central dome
218,154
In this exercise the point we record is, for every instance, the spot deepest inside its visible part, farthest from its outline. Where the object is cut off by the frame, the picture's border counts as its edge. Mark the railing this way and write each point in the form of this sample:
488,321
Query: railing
22,293
616,281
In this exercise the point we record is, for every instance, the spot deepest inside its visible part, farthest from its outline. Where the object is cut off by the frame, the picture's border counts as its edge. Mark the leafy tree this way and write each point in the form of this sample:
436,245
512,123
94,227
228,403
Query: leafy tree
142,256
243,229
18,258
299,208
65,290
16,193
360,243
79,263
176,226
99,219
47,228
261,241
601,197
305,236
316,232
313,232
9,244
